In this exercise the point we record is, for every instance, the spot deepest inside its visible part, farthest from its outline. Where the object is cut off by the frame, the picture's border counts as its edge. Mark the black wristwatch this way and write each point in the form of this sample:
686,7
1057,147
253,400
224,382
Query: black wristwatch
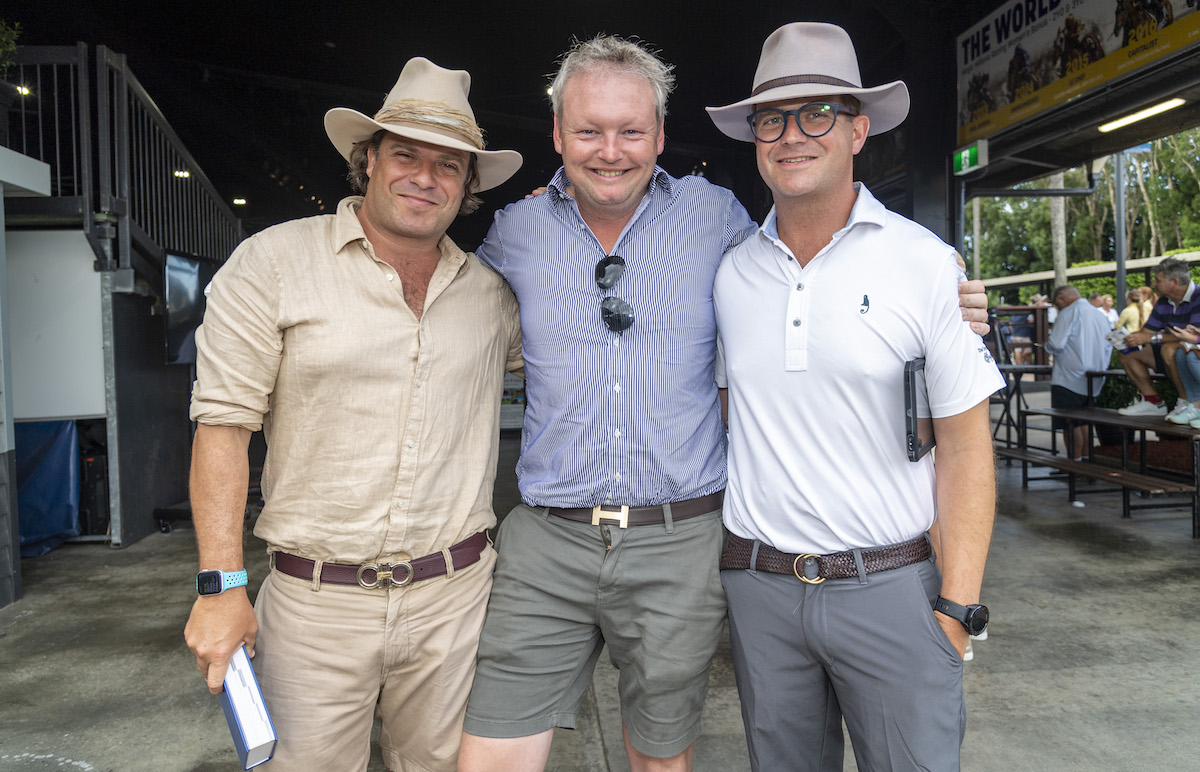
973,617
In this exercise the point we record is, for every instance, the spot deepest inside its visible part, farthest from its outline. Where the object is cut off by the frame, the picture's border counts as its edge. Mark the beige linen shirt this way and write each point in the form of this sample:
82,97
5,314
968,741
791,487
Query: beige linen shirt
381,430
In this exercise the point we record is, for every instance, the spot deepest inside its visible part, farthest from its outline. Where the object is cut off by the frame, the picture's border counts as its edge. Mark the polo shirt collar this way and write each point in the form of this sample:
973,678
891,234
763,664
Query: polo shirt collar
866,210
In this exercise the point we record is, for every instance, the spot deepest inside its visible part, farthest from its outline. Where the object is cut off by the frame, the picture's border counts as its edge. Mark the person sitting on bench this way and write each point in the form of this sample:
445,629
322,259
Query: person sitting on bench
1178,306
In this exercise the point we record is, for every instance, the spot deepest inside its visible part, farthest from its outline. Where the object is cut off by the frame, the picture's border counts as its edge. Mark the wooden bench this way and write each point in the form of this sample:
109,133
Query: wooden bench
1125,478
1092,375
1140,482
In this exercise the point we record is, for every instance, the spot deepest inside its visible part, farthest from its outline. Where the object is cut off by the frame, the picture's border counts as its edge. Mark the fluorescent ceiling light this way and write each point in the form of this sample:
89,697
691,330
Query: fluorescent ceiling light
1140,115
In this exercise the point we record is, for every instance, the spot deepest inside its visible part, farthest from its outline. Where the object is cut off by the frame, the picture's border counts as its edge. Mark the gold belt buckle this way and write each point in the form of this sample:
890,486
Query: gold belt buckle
802,577
599,512
385,574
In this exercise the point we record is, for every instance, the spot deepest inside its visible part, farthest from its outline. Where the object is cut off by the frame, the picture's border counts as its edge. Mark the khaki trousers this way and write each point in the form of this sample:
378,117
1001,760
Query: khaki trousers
331,657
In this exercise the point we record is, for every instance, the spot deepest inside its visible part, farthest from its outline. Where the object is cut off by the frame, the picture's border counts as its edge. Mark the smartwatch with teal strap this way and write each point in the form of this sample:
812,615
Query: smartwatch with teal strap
217,582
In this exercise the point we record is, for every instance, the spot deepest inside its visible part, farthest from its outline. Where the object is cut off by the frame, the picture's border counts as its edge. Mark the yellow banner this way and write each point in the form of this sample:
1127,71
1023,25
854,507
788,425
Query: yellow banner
1071,47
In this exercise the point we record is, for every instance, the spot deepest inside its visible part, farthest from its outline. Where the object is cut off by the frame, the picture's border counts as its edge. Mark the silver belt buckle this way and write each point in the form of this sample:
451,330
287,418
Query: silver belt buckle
611,512
385,574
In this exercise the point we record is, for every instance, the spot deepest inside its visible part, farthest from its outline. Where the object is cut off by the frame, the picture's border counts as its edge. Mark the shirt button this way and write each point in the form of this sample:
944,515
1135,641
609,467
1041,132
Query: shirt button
617,433
390,277
617,475
795,322
800,286
617,388
411,444
616,341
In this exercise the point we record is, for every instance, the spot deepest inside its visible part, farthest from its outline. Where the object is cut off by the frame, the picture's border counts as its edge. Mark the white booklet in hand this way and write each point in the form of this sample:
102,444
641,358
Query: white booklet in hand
1117,337
249,723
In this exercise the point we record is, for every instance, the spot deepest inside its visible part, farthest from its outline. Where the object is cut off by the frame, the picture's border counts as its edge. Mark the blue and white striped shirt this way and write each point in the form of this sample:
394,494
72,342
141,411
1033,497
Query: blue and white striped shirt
630,418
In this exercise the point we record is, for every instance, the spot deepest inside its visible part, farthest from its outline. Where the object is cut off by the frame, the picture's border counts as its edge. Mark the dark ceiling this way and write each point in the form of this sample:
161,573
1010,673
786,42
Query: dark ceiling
245,84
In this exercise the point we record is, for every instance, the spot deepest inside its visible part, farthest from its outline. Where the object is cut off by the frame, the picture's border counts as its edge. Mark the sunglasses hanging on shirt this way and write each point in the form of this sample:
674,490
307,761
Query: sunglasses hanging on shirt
616,314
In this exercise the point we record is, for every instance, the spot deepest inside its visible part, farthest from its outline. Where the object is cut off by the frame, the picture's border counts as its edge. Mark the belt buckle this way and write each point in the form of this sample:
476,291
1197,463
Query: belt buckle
802,577
620,515
385,573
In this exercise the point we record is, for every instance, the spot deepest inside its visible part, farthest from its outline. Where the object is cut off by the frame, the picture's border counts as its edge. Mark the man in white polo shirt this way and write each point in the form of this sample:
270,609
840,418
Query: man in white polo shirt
837,605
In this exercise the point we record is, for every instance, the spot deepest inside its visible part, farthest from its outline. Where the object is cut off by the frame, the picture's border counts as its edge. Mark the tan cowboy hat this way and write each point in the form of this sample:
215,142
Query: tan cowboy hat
429,104
810,59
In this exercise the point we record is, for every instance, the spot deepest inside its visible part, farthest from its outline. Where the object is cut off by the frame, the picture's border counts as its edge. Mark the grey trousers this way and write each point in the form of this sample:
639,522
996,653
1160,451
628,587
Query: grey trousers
869,650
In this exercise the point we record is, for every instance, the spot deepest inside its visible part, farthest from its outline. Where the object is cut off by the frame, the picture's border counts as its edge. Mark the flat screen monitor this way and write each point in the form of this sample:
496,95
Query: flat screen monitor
185,278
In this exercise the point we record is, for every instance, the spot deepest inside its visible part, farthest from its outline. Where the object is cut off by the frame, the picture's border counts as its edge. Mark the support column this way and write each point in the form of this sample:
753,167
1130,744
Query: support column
19,176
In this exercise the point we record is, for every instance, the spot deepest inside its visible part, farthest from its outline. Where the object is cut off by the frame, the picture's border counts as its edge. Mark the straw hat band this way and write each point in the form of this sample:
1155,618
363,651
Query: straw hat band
435,116
792,80
427,104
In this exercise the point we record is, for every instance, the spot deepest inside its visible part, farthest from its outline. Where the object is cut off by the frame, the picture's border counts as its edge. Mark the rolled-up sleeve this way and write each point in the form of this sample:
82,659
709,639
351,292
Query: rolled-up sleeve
240,343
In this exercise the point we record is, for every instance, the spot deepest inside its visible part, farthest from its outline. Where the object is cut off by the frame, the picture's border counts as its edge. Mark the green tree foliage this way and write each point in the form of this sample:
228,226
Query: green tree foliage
1162,205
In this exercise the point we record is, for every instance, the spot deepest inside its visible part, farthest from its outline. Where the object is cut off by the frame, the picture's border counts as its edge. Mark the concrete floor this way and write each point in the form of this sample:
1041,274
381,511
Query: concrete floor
1090,665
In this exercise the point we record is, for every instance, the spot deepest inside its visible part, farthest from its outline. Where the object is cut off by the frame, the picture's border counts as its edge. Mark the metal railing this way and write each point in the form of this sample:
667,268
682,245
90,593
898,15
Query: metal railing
117,168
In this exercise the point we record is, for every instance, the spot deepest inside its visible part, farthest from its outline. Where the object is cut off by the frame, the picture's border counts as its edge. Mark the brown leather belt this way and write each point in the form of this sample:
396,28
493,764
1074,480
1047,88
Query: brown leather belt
372,575
625,516
815,569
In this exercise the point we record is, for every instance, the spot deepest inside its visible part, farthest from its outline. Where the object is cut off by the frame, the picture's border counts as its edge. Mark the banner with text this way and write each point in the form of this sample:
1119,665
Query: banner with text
1031,55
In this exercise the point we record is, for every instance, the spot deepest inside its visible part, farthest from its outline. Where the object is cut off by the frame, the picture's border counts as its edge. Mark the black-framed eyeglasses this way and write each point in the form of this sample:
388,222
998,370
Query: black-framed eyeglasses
616,314
815,119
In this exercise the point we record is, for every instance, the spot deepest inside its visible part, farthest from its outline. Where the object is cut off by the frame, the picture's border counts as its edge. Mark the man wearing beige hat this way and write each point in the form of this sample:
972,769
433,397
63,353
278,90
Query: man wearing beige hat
838,606
622,468
372,351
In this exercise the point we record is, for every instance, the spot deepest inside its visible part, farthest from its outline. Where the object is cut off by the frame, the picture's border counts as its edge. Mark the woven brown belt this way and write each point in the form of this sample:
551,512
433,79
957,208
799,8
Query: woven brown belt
626,516
815,569
372,575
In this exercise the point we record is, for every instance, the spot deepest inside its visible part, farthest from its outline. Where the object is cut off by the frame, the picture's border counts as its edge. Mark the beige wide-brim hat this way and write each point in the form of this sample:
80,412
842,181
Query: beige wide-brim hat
428,104
810,59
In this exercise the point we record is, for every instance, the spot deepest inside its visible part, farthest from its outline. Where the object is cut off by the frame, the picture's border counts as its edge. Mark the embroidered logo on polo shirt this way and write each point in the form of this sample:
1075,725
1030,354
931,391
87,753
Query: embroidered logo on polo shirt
866,305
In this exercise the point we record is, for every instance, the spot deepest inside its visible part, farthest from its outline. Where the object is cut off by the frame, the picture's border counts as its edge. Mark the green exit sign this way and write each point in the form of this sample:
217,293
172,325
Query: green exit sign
968,159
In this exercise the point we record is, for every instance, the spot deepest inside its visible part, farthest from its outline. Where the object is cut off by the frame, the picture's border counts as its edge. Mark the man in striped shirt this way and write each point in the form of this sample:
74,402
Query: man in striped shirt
622,470
1178,306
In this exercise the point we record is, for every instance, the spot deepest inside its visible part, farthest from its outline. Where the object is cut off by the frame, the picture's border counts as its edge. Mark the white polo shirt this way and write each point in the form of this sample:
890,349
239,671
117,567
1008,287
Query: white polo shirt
814,362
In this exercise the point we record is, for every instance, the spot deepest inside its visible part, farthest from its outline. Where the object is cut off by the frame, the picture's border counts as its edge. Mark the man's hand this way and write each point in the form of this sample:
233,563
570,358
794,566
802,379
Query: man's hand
955,632
1139,338
218,625
973,300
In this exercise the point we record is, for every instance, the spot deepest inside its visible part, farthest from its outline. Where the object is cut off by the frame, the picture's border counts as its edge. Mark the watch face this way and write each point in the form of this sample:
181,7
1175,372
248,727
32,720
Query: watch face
977,619
208,583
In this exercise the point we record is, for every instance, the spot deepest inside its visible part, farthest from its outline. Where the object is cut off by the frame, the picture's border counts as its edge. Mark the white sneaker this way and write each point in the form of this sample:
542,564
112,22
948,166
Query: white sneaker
1183,415
1142,407
969,654
1181,405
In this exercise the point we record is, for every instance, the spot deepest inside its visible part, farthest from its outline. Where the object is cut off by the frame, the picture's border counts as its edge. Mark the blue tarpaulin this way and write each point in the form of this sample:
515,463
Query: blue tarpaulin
47,484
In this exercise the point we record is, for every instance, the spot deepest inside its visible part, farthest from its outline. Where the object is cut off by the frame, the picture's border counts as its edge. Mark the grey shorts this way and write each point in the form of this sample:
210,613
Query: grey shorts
805,656
559,596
